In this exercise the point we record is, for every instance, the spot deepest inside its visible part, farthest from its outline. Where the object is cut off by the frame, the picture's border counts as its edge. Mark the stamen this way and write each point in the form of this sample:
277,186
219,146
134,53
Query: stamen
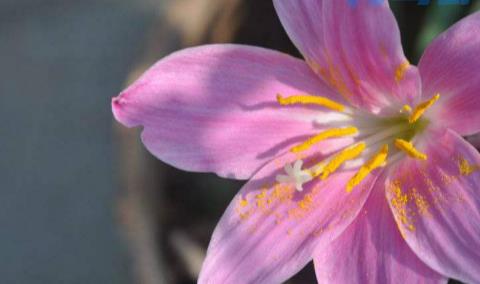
329,133
347,154
421,108
307,99
378,160
317,170
406,108
409,149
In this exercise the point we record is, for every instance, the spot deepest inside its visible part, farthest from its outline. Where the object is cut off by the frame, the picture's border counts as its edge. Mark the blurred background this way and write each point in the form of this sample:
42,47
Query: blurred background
81,201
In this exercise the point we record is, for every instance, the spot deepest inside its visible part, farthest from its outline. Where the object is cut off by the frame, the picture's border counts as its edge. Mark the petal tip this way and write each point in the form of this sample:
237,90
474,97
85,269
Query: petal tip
119,111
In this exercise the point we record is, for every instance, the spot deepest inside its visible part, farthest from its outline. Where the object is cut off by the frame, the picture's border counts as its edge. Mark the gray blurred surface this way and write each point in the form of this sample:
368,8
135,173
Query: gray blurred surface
61,62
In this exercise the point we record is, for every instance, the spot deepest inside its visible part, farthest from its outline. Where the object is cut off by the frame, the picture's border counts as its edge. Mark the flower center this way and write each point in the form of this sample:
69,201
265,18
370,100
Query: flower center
375,139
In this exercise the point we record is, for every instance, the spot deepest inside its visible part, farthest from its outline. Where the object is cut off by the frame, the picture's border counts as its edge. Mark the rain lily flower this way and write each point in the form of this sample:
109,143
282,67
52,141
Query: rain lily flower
354,156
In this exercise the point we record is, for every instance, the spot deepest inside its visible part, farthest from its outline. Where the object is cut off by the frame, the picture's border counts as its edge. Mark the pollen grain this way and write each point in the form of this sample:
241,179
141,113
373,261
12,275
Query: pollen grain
401,69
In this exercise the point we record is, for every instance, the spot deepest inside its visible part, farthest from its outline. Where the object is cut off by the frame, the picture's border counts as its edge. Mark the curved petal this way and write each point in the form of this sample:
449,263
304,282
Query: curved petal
355,47
269,231
371,250
451,66
213,108
436,204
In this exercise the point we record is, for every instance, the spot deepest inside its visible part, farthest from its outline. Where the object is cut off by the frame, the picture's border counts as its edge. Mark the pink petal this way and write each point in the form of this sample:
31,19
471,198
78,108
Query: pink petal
269,231
371,250
213,108
436,204
355,48
451,66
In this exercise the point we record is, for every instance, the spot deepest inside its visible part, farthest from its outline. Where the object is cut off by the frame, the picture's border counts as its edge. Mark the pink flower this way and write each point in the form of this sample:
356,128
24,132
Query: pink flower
354,156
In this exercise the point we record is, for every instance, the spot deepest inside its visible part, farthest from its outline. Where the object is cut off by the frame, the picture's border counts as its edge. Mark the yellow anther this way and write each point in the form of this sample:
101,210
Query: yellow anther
406,108
401,69
421,108
378,160
307,99
409,149
329,133
317,170
347,154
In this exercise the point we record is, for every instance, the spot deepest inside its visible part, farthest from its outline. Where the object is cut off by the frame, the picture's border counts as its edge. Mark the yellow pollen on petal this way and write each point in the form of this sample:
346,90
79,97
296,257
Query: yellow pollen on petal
465,167
329,133
306,202
399,202
401,69
378,160
409,149
243,202
421,108
310,100
347,154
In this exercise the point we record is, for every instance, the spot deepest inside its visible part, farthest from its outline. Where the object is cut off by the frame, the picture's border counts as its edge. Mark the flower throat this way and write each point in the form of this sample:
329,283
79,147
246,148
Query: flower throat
384,137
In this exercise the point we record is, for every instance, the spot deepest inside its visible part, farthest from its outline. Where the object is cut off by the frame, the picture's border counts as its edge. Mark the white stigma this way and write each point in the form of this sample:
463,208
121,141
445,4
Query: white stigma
295,175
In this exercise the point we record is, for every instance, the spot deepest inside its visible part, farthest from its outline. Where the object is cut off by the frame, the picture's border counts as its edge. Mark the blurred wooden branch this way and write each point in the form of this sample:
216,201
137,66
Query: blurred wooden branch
137,208
182,23
186,23
190,253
